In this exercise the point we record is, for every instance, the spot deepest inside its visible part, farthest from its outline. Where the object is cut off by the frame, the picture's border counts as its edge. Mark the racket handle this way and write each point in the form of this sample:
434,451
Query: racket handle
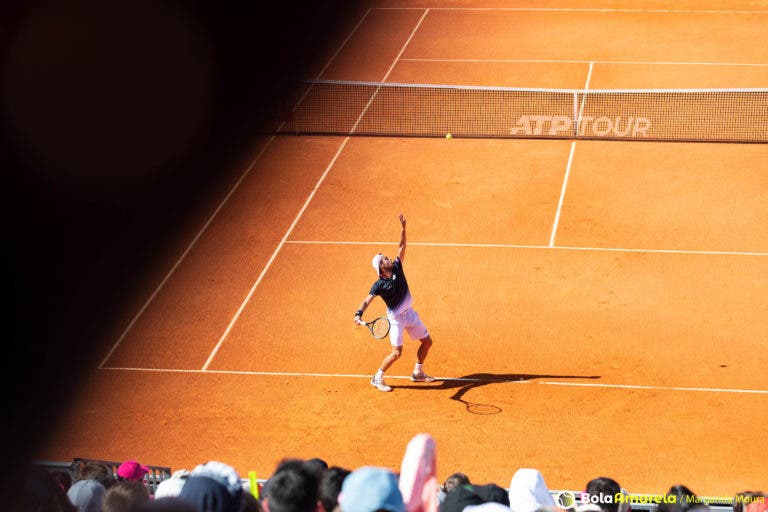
360,322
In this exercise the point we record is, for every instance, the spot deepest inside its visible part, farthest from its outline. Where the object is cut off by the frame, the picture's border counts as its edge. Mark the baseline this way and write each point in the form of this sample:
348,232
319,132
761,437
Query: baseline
581,9
452,379
585,61
542,247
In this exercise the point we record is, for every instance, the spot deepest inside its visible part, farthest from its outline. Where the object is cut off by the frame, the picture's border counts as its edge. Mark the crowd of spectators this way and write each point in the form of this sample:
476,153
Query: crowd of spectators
298,485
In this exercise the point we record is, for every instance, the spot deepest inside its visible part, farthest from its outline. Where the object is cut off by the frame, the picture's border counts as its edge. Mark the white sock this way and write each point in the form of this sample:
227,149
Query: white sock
418,369
379,374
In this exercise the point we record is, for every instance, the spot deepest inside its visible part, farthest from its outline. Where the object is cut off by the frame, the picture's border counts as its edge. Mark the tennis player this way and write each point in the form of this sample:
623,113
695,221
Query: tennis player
392,287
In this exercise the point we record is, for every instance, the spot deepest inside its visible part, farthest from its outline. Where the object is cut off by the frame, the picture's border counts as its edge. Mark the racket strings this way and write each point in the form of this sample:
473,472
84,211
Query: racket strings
380,327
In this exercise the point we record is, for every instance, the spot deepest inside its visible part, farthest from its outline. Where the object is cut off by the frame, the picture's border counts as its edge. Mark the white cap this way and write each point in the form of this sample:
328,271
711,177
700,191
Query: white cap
375,262
169,488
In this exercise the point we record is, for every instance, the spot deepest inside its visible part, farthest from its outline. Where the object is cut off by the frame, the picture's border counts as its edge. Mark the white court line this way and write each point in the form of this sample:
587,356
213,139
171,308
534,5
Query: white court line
574,9
389,71
407,377
304,374
536,247
185,253
301,212
584,97
570,157
668,388
589,74
407,42
210,220
343,44
272,258
562,194
577,61
320,74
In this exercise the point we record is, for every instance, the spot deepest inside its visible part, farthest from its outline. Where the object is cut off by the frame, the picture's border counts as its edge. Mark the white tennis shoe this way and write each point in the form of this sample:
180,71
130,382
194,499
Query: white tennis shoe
379,384
421,377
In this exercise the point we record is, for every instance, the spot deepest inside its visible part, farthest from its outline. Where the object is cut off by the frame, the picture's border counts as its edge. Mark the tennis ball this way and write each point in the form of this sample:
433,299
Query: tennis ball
448,136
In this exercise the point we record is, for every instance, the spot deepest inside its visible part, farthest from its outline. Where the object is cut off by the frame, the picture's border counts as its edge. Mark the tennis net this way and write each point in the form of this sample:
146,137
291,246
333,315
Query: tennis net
424,110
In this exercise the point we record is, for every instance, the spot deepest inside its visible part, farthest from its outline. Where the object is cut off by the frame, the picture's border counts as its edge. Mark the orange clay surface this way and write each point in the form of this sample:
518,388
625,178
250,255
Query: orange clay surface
627,340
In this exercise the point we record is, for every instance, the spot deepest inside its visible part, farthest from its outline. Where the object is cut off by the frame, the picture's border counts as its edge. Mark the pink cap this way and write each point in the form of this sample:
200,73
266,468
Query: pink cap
132,470
758,505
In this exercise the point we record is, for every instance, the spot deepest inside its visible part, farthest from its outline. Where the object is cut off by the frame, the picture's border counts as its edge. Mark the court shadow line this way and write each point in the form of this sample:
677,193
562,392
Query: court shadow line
474,380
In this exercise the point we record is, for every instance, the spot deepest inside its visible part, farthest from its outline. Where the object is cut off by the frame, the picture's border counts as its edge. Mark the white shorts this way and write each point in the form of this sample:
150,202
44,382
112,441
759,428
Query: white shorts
407,320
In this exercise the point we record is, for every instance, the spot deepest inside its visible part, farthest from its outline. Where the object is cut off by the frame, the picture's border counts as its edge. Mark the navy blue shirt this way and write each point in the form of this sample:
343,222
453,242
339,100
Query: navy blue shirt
394,289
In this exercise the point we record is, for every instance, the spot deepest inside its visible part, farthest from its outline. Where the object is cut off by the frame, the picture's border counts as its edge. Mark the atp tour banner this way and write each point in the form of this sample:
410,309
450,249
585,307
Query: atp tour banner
452,112
587,126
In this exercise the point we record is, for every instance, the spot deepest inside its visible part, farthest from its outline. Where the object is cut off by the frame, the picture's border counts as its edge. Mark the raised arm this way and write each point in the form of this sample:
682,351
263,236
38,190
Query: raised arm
362,308
401,249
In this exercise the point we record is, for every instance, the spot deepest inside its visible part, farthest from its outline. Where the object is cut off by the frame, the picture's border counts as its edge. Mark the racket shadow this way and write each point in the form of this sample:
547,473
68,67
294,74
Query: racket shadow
466,383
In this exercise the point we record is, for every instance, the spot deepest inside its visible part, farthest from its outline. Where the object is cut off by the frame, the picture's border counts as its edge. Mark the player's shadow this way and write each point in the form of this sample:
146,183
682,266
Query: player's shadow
464,384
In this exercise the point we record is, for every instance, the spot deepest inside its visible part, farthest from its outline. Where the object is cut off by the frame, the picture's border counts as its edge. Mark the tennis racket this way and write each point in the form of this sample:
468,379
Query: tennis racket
379,327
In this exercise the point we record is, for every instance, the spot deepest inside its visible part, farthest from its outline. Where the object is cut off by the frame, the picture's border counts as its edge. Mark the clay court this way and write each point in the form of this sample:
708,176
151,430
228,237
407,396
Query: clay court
609,299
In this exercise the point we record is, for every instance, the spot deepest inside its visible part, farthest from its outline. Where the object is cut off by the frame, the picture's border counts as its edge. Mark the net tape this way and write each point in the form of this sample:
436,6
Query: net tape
423,110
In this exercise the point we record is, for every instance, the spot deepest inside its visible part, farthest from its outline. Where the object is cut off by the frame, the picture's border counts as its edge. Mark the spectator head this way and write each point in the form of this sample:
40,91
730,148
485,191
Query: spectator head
125,496
167,505
171,487
459,497
760,504
319,465
454,481
528,492
213,487
330,486
605,489
371,489
744,498
250,503
684,500
418,474
96,471
490,506
63,479
132,470
492,493
87,495
42,493
292,488
473,496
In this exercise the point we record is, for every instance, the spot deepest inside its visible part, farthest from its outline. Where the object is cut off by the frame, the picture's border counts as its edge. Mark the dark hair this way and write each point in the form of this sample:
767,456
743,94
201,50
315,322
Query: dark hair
455,480
330,486
125,496
96,471
607,489
743,498
168,504
292,488
318,465
209,493
41,493
458,498
685,499
492,493
63,479
250,503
